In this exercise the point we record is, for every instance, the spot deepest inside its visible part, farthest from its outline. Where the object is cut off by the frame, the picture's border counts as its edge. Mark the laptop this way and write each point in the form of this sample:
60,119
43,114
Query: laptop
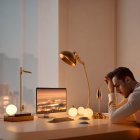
51,100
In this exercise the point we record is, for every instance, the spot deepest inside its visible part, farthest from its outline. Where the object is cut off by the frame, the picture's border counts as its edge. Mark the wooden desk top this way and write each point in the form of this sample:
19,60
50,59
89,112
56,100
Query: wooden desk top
41,129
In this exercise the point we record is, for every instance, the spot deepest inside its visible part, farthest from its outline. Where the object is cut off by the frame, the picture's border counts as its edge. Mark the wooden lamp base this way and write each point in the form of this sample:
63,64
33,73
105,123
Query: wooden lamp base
19,117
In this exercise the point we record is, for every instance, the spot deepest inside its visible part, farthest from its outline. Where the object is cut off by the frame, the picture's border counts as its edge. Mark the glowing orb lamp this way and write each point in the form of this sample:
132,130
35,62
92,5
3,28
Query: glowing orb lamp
88,113
81,110
72,112
11,110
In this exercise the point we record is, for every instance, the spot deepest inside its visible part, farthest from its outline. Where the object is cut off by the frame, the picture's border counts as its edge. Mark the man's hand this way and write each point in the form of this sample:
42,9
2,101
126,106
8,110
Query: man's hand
109,83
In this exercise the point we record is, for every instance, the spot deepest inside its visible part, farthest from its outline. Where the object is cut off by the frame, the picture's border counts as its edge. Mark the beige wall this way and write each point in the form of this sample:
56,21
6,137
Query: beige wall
128,35
87,27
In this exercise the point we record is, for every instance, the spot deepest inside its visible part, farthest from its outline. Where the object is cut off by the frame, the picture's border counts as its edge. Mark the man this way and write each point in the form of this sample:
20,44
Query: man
121,80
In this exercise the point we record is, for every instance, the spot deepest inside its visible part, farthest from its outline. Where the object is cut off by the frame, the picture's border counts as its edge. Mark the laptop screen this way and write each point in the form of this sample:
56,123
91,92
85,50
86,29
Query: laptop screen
51,100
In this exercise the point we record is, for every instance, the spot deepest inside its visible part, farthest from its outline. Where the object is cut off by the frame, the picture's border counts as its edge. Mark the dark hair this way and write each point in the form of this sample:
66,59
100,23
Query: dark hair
121,73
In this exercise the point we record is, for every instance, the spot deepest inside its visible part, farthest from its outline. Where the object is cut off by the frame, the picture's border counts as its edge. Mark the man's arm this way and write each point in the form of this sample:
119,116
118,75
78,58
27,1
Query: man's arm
124,101
118,115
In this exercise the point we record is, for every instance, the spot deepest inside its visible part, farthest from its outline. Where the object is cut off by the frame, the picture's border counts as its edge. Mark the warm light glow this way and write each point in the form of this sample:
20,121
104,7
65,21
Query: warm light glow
12,128
81,110
54,105
11,109
5,102
61,55
5,98
88,112
72,112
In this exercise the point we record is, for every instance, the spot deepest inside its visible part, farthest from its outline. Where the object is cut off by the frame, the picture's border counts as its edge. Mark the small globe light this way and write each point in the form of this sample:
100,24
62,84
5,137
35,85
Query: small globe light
88,112
72,112
81,110
11,109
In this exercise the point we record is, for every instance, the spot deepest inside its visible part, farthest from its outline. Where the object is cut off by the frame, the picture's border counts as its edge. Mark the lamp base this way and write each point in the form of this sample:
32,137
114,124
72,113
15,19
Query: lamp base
19,117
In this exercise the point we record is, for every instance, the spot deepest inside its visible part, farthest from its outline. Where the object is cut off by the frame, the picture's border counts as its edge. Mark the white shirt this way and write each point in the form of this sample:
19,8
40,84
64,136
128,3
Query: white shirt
132,107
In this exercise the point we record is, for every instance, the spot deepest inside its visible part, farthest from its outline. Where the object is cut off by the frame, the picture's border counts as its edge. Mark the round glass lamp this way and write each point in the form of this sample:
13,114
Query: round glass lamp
11,110
88,113
72,112
81,110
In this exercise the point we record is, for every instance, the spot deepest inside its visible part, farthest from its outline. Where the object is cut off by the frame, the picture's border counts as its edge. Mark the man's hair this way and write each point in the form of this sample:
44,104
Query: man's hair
121,73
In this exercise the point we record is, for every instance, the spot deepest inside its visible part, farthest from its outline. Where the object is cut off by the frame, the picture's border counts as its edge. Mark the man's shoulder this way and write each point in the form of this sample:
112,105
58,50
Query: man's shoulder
135,94
137,87
134,98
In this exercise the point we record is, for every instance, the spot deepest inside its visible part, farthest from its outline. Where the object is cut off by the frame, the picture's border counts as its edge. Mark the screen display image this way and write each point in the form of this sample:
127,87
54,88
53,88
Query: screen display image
50,100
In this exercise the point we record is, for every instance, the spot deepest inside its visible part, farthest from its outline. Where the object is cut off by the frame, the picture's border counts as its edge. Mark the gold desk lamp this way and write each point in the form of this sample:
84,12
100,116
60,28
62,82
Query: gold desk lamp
71,59
21,116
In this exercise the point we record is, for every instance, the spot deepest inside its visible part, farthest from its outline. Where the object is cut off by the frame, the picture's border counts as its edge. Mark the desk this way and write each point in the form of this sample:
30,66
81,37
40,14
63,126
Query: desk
40,129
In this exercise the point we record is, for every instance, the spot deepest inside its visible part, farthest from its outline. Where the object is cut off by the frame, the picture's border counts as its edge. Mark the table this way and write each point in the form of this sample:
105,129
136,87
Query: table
41,129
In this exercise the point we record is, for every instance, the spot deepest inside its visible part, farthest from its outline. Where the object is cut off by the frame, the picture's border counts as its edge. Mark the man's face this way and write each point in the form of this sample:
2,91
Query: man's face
122,87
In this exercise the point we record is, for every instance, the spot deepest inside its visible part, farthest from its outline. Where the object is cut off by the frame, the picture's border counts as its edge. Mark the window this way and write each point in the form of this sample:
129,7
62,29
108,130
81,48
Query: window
18,47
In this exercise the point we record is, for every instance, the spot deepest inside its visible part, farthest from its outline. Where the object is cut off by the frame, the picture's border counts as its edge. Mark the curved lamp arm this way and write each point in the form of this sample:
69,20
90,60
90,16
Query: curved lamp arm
81,62
88,104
